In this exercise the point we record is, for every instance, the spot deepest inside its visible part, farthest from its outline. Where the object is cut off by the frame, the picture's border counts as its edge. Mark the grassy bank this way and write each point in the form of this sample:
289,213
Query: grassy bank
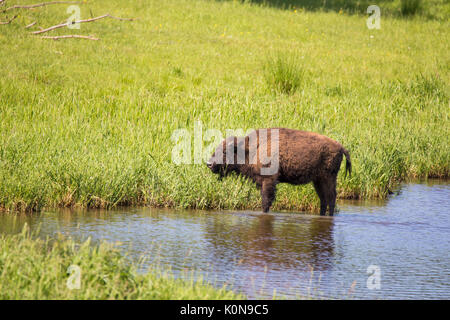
430,9
89,123
33,268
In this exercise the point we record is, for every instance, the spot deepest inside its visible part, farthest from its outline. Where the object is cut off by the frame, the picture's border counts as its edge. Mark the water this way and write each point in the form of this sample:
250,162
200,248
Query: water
405,238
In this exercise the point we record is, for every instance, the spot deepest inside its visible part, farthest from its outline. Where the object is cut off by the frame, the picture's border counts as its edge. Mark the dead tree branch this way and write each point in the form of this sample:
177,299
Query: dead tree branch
80,21
31,6
70,36
30,25
9,21
61,25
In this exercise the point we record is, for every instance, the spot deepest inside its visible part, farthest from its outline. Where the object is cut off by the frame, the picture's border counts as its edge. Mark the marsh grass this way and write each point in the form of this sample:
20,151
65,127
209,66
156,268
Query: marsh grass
33,268
429,88
430,9
283,73
89,123
410,7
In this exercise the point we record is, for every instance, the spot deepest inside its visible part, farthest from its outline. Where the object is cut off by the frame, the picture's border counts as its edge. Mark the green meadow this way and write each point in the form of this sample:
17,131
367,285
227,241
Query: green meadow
47,269
88,123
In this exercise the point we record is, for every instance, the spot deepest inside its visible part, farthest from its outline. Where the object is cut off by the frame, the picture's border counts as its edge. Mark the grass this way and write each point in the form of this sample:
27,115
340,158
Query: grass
89,123
430,9
283,74
33,268
410,7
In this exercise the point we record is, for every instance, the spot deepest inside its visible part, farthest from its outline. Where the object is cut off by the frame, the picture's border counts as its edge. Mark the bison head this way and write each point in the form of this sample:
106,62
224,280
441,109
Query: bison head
227,156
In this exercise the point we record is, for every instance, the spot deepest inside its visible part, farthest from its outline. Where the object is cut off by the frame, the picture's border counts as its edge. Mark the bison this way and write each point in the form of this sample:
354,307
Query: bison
280,155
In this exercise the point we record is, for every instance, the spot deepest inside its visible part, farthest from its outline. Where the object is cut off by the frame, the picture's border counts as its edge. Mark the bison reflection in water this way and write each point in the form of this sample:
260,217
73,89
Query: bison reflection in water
272,156
279,243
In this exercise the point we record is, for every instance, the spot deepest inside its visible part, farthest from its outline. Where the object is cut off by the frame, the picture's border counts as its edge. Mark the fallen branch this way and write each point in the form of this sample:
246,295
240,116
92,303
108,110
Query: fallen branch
70,36
9,21
80,21
123,19
30,25
17,6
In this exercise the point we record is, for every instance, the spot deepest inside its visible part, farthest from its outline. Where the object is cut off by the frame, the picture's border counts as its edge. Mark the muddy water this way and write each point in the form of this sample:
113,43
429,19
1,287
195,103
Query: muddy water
372,250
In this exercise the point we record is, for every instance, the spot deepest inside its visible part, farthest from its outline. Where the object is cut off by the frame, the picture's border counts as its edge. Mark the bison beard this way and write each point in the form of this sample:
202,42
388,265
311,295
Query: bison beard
301,157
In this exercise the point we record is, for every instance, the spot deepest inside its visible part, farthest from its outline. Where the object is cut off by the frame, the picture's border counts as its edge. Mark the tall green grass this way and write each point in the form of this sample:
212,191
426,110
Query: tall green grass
283,74
430,9
410,7
33,268
89,123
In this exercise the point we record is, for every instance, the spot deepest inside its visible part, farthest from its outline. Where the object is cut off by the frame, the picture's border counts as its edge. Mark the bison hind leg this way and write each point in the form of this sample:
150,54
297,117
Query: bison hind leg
330,192
268,190
319,187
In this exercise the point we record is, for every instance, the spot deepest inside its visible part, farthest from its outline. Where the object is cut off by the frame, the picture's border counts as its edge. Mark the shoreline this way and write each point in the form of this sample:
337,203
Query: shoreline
445,180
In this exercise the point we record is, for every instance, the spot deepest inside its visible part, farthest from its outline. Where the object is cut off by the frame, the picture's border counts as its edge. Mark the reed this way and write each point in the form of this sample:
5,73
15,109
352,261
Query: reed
89,123
44,269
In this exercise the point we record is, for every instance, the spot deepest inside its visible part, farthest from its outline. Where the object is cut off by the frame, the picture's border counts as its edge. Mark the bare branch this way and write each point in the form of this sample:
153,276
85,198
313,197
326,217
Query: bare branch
30,25
70,36
9,21
17,6
80,21
124,19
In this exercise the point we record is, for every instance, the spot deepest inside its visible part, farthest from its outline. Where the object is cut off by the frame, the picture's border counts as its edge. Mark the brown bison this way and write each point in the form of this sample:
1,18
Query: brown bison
279,155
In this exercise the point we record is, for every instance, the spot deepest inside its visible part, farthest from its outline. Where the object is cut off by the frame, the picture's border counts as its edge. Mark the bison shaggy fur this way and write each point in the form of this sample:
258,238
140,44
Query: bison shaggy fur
301,157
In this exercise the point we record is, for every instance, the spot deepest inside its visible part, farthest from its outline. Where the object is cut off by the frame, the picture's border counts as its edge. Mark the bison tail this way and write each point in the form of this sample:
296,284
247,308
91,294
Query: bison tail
348,162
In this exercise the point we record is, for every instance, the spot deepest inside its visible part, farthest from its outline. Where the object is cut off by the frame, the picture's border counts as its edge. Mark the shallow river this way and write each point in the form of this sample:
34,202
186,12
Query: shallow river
372,250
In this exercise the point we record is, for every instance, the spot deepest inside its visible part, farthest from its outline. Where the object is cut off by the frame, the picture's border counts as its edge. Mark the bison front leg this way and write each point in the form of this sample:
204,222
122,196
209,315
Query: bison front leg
268,190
